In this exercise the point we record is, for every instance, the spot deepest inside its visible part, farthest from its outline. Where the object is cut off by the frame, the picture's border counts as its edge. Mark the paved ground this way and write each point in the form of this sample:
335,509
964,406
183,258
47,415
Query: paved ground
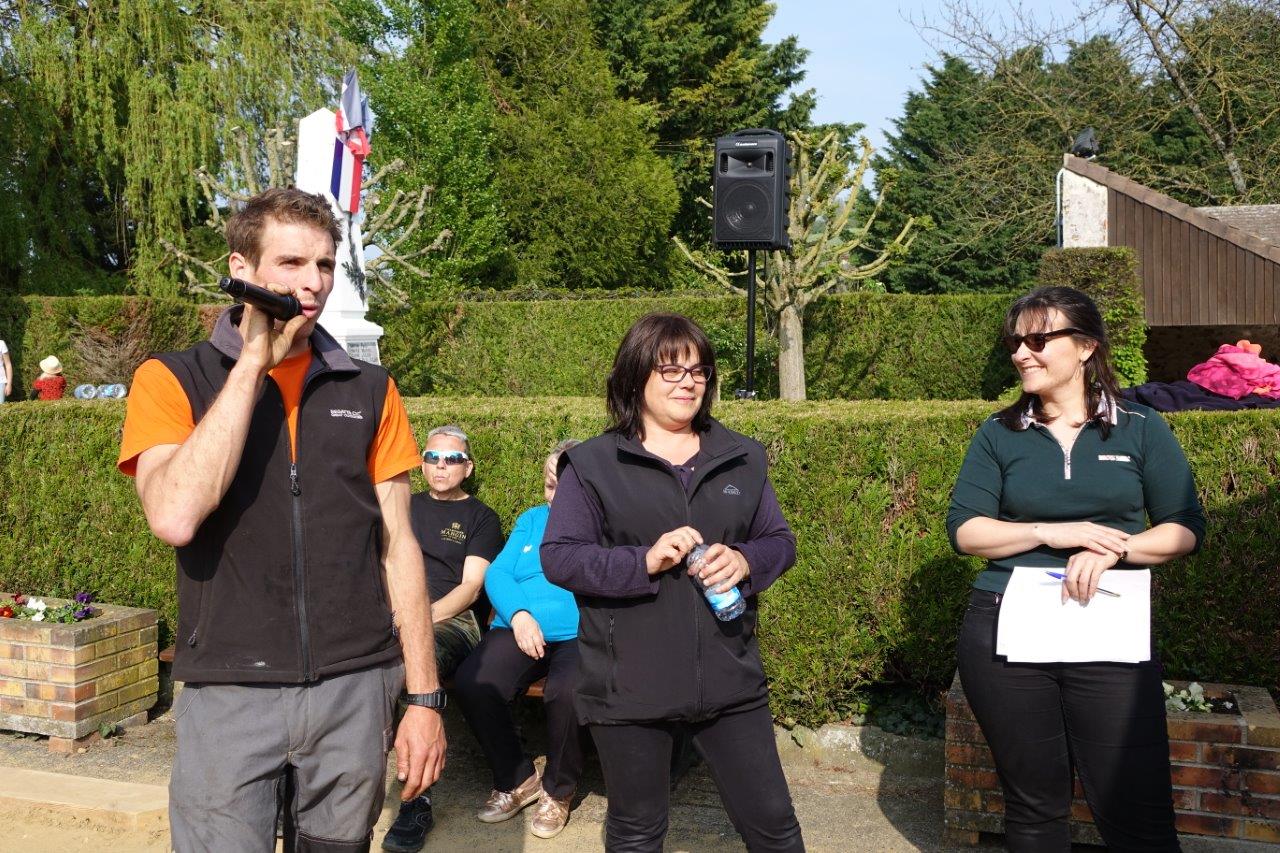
853,802
840,810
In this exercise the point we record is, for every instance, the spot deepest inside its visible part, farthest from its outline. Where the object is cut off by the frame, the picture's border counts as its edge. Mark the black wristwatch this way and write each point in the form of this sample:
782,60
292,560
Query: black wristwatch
435,699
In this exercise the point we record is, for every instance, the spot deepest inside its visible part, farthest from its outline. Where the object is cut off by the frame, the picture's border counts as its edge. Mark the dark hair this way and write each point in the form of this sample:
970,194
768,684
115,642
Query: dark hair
652,340
1080,313
280,204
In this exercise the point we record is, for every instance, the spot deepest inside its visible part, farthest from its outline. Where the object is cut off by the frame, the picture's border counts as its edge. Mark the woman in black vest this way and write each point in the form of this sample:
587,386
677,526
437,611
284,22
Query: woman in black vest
655,660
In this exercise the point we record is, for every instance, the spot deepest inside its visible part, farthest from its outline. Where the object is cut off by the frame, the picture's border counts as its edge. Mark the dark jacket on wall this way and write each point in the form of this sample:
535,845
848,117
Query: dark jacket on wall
651,649
283,581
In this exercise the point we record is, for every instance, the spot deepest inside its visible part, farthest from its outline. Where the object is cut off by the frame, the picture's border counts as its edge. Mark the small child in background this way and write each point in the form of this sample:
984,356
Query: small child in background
51,384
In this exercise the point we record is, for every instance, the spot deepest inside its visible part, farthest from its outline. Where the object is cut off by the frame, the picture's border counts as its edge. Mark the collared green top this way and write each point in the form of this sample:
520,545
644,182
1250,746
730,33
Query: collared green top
1138,473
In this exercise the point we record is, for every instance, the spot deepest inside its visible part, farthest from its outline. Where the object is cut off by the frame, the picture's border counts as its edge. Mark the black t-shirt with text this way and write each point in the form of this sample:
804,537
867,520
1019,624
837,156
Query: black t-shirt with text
450,531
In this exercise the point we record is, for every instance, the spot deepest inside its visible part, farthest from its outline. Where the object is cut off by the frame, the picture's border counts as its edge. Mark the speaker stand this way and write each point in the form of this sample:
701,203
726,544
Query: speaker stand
749,393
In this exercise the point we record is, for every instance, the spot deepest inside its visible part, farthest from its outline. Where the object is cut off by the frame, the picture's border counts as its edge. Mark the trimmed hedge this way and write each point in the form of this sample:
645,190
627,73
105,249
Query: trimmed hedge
529,349
857,346
36,326
861,346
877,594
1110,276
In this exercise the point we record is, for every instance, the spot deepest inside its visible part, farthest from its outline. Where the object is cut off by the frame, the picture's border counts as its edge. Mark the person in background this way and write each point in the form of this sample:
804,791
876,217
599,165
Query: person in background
1067,478
6,372
533,635
50,384
459,536
630,506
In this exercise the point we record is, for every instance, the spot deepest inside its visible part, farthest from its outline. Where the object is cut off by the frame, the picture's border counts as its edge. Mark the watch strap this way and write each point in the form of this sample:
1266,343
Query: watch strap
436,699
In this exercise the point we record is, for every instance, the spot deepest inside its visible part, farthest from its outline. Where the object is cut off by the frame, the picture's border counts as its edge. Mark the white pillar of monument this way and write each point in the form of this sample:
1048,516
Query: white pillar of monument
344,313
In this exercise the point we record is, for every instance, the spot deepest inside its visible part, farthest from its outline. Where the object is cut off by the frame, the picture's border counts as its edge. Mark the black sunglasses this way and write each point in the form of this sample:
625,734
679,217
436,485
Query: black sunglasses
452,457
1036,341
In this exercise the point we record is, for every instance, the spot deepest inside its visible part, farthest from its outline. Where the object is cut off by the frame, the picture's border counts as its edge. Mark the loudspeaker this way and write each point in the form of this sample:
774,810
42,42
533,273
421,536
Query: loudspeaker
751,184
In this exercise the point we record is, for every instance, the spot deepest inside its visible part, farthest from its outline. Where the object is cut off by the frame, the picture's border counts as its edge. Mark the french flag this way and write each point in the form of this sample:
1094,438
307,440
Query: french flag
351,145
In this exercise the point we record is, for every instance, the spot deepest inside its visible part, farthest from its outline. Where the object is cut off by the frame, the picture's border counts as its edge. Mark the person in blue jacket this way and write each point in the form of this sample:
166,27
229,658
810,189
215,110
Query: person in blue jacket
533,635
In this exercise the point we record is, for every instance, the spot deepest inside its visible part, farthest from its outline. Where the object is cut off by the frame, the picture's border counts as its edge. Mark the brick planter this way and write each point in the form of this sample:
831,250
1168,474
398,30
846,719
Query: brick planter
66,680
1226,772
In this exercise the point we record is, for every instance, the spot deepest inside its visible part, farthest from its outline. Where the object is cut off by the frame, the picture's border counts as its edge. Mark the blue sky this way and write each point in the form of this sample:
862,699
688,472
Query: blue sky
865,56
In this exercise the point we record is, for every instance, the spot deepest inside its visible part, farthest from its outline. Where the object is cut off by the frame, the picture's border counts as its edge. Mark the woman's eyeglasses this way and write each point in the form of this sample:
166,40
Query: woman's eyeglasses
453,457
1036,341
677,372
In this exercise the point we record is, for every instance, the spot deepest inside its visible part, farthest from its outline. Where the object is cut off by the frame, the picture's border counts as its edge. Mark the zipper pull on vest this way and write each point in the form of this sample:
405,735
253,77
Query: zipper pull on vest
293,479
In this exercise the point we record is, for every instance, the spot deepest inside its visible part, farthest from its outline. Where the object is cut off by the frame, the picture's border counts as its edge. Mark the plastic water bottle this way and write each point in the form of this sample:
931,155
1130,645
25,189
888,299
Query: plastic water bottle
726,605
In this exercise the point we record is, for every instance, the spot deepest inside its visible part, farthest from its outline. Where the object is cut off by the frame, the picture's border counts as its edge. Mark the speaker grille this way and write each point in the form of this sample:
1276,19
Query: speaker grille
747,211
749,184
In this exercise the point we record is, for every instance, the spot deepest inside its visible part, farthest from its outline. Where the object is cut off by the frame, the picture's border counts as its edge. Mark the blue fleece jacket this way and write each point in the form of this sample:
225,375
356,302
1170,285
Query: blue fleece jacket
515,582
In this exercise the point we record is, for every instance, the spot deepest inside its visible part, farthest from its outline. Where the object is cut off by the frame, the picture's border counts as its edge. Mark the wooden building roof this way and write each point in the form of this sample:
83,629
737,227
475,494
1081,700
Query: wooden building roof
1260,220
1197,268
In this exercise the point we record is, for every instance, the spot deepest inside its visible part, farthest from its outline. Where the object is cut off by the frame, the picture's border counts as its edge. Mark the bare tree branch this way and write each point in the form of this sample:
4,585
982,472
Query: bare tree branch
388,225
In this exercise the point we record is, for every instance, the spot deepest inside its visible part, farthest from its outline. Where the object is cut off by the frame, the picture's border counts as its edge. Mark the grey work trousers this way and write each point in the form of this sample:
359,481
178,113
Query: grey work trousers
236,742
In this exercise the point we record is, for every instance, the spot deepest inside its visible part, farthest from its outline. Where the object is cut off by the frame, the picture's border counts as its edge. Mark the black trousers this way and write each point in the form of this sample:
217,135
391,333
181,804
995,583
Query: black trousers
1107,719
740,751
485,685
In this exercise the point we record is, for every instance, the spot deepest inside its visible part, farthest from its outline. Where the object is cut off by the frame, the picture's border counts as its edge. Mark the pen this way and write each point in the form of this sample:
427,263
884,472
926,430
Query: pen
1063,577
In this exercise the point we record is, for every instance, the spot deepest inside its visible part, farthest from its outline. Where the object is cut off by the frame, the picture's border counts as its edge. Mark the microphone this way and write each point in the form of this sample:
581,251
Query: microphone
281,306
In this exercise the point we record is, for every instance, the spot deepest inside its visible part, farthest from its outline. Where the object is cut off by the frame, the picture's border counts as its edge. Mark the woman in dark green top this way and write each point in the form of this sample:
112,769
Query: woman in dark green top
1068,478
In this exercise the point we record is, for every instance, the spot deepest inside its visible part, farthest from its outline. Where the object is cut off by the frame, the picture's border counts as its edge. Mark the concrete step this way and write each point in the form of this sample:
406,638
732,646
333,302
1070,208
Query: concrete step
103,802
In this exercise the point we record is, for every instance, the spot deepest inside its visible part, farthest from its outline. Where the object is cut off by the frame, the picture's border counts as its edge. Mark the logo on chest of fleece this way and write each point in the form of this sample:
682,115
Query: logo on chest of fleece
353,414
731,489
1114,457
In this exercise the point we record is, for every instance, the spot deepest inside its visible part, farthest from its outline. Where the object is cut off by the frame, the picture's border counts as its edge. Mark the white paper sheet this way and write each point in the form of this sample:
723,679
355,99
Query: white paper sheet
1036,627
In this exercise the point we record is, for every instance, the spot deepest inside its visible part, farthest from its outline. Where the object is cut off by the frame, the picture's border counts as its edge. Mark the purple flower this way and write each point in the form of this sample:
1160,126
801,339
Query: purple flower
83,597
83,612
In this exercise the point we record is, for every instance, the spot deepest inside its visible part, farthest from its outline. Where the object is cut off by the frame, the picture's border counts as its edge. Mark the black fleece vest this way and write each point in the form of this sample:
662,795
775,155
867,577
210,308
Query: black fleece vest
666,656
283,581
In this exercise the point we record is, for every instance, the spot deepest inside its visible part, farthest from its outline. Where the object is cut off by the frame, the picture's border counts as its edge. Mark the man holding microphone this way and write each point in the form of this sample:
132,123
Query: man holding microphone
277,467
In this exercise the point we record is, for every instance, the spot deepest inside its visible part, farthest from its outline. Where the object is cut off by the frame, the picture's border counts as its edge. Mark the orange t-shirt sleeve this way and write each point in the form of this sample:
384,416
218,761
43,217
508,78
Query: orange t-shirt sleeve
394,450
157,412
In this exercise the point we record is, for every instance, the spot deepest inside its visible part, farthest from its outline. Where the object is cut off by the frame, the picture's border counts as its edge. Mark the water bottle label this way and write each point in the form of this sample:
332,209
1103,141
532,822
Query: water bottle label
726,605
723,600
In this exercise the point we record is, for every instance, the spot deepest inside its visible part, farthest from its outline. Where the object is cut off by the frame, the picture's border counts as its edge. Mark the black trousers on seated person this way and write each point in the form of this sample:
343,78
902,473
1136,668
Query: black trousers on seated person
742,755
485,685
1107,719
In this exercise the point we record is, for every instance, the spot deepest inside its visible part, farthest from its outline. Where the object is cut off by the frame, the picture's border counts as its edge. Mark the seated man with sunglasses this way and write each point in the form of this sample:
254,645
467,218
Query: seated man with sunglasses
459,537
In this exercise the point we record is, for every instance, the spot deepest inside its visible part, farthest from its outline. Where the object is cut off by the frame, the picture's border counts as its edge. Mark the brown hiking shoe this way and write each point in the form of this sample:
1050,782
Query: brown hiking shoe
503,805
550,816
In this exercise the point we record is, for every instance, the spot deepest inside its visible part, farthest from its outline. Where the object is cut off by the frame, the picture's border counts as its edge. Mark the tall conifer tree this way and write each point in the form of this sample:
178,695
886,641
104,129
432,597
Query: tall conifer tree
588,203
704,70
940,124
435,114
